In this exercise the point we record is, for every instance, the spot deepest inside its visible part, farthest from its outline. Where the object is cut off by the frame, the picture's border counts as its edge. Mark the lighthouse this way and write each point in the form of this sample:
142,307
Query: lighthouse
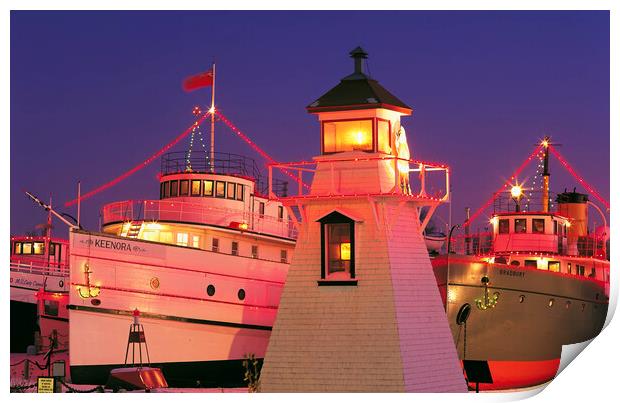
360,310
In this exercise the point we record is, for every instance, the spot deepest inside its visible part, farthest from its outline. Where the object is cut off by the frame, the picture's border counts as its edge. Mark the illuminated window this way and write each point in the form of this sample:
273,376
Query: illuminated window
337,247
239,191
215,245
280,213
531,263
27,248
503,226
283,256
538,226
255,251
39,248
231,191
220,189
17,248
570,268
165,237
195,241
52,249
383,136
554,266
234,250
182,239
174,188
150,236
347,136
184,187
195,188
207,188
520,226
166,190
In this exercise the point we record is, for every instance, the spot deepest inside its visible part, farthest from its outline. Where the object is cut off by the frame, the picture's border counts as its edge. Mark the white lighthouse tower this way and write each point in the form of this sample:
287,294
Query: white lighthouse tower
360,310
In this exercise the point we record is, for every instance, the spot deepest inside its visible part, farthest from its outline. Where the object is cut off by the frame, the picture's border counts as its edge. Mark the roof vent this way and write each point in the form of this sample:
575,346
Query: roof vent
358,54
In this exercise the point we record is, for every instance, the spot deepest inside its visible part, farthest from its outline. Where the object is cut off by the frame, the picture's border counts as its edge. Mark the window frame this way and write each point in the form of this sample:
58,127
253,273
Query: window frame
240,192
174,184
204,188
373,146
191,188
524,228
229,186
217,194
376,134
181,183
337,218
534,220
499,226
234,248
215,244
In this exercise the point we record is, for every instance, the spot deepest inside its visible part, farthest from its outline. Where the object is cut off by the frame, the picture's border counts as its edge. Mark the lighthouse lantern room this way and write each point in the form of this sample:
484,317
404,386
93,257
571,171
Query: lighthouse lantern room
360,310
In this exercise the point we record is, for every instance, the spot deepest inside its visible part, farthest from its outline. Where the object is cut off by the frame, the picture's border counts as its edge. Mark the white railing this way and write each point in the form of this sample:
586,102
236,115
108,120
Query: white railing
195,213
61,270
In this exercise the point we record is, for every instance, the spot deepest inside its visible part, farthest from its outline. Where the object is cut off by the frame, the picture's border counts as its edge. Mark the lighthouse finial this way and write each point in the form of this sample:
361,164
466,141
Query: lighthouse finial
358,54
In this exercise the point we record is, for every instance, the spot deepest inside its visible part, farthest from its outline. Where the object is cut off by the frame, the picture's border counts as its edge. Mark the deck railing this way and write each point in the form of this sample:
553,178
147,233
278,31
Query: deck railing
54,269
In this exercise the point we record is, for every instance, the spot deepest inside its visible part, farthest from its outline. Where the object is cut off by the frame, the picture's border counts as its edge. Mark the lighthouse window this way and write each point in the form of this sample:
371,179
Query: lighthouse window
383,136
207,188
231,191
520,226
184,187
195,188
503,226
538,226
165,190
347,135
338,247
174,188
220,189
239,192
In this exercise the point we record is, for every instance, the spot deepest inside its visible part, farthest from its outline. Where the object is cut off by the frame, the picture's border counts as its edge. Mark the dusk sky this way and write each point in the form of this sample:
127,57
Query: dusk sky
95,93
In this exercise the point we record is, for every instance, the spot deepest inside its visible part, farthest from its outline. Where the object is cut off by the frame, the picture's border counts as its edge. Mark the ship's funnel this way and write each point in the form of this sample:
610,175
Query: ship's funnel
574,206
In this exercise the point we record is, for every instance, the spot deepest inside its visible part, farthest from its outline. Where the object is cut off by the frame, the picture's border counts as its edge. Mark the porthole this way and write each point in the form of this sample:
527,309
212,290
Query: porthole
154,283
95,301
241,294
568,304
210,290
521,298
551,301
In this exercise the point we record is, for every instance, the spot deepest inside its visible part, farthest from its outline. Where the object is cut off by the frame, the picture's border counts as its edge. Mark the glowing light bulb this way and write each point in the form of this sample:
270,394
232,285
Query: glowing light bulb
516,191
360,137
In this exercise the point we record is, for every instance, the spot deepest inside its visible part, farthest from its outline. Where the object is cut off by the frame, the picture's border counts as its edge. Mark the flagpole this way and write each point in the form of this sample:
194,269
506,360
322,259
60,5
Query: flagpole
212,159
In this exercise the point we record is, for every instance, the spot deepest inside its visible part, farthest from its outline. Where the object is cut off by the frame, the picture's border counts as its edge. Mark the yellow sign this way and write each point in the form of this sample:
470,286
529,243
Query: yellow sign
45,385
345,251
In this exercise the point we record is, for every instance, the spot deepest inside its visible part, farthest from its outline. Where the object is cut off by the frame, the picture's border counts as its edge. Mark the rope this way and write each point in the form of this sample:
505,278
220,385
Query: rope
21,388
71,389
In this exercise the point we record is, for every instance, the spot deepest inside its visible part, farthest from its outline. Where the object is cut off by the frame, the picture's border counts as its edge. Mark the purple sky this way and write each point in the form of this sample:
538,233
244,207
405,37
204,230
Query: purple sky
94,93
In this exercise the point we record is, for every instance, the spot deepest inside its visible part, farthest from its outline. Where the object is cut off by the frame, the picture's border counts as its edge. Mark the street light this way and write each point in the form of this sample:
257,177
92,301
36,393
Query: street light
516,192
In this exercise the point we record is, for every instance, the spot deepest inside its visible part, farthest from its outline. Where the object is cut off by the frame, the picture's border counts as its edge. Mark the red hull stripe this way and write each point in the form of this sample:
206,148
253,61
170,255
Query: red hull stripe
520,374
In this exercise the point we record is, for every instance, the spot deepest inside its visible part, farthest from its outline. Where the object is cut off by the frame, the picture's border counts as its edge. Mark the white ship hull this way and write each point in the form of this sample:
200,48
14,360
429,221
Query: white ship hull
193,336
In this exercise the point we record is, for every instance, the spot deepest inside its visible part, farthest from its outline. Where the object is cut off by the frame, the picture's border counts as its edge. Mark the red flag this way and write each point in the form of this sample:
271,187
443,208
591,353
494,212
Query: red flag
198,81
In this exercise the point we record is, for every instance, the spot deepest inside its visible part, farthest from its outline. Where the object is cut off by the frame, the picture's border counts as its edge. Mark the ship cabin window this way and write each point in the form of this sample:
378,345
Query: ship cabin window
592,273
554,266
207,188
27,248
581,270
337,247
195,241
52,251
239,192
195,187
570,268
38,248
504,226
261,209
166,190
215,245
520,226
182,239
280,213
383,136
555,227
184,187
165,237
231,191
50,307
174,188
538,226
283,256
235,248
220,189
17,248
347,135
255,251
531,263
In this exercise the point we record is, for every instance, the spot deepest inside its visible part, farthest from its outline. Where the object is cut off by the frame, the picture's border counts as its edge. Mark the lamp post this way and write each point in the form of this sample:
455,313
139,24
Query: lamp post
516,192
448,262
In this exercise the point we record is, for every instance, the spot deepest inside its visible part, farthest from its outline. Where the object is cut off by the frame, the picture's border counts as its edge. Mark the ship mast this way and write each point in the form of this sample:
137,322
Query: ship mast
546,174
212,110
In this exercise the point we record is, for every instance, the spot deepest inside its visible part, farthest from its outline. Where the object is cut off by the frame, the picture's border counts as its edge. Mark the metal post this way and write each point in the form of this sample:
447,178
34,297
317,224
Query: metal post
212,155
448,262
78,204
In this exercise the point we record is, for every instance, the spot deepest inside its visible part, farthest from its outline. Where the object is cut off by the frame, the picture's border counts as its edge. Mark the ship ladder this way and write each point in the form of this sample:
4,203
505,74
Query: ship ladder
134,229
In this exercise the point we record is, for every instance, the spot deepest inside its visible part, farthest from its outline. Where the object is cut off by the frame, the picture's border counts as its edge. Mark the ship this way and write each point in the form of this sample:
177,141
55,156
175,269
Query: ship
538,280
204,264
37,263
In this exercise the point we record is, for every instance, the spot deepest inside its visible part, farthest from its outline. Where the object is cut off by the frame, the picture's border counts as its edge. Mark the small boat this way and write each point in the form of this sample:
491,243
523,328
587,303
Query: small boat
434,241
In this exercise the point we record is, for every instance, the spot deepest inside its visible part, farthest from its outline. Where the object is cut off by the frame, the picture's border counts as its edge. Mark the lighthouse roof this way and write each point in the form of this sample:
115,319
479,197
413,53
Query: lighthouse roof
358,91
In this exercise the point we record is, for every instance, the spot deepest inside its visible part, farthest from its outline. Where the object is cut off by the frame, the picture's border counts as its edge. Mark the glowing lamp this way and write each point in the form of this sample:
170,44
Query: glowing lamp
567,224
516,191
241,226
345,251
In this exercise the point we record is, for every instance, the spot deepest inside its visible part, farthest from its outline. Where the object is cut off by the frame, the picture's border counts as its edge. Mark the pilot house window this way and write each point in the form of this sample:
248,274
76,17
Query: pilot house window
520,226
503,226
538,226
337,247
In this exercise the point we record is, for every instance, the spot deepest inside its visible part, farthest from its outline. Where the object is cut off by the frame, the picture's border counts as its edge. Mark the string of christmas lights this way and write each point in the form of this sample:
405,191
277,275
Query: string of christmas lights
582,181
141,165
508,183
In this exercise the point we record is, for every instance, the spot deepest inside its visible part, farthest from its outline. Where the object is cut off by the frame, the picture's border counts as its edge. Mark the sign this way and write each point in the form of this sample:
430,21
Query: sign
45,384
